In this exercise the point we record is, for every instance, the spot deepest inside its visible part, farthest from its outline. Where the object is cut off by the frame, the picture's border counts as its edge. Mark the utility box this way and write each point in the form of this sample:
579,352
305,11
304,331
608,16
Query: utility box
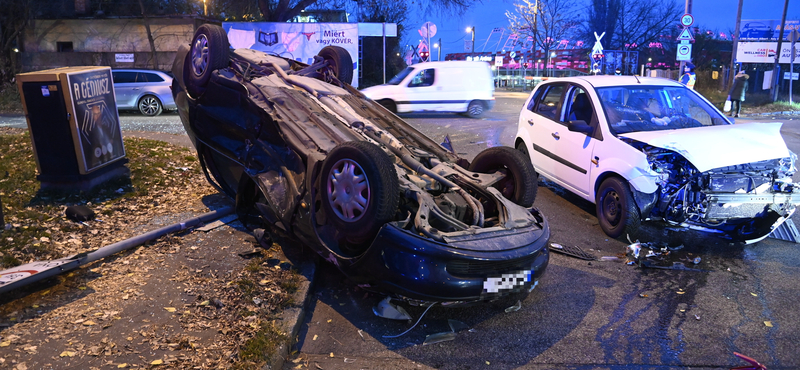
74,125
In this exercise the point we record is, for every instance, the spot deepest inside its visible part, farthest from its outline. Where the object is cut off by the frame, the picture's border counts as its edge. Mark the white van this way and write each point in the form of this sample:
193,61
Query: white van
448,86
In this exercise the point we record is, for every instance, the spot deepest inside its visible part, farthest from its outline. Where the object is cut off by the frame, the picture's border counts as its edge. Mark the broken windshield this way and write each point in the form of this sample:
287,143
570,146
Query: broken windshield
652,108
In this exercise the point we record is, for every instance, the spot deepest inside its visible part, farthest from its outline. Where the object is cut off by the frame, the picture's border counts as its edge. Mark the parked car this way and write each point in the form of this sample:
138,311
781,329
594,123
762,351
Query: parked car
304,153
147,91
448,86
652,149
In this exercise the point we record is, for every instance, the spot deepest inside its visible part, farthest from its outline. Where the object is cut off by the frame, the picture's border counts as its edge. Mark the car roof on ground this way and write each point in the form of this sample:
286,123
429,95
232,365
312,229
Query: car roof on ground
605,80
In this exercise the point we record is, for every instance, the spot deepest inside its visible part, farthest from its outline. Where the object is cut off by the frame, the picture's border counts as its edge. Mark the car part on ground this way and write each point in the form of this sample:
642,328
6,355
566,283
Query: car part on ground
314,159
652,149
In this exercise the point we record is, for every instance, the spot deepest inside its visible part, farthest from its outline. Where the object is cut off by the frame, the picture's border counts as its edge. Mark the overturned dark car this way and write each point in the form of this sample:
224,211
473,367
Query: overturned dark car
315,160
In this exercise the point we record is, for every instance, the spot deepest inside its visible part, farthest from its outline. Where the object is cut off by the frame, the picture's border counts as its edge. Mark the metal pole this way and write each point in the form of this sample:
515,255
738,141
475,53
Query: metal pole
774,85
384,52
735,45
688,10
794,35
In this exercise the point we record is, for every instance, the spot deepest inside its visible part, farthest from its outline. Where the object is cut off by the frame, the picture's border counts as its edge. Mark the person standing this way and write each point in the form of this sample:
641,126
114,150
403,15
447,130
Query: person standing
737,92
689,77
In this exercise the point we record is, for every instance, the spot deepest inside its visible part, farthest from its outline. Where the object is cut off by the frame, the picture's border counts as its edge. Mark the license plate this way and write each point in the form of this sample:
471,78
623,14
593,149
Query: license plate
507,281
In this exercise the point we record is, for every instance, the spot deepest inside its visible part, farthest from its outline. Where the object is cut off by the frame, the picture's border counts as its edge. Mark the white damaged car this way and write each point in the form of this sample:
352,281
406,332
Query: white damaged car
651,149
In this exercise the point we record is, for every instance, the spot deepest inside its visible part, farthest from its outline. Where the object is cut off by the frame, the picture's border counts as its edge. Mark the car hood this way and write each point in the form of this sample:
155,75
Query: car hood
719,146
379,91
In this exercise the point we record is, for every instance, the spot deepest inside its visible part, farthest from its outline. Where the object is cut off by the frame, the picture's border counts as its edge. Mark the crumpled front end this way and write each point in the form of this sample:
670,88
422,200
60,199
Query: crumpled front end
746,201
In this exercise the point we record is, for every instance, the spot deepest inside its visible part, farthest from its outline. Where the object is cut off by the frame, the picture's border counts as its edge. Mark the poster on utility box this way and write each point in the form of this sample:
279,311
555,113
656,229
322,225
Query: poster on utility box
296,41
96,118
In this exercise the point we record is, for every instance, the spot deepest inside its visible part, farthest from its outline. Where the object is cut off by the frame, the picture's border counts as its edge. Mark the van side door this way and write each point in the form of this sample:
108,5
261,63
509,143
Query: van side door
422,93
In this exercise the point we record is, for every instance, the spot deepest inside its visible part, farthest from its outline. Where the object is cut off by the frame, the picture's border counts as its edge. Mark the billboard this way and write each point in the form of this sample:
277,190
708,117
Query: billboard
765,29
764,52
297,41
99,139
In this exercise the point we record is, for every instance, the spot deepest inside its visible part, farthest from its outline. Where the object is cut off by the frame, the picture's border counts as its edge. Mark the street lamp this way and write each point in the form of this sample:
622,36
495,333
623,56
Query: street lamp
472,29
439,50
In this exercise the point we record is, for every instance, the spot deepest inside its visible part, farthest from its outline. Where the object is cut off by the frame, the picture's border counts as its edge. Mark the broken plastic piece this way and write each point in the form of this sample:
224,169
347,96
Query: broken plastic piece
391,311
439,337
457,326
609,258
515,307
754,365
412,326
634,249
696,260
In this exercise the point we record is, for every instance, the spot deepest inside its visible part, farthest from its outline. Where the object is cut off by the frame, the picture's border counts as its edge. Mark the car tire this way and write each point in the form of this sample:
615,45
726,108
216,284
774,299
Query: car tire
389,105
362,168
149,105
339,62
209,52
474,109
222,172
617,212
521,182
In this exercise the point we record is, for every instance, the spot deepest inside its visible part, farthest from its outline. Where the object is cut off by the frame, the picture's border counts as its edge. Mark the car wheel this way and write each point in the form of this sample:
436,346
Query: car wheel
520,184
616,209
389,105
222,172
339,62
149,105
209,52
475,109
359,190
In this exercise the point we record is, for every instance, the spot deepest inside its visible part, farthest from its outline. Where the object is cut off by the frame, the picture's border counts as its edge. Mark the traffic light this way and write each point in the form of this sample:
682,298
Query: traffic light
424,55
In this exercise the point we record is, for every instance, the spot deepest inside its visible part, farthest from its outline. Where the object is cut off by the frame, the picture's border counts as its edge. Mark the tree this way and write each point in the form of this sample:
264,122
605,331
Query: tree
603,16
629,24
546,21
13,19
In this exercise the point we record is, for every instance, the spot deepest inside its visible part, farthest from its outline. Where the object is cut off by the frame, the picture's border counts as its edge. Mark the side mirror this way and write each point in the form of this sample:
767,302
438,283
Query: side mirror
579,126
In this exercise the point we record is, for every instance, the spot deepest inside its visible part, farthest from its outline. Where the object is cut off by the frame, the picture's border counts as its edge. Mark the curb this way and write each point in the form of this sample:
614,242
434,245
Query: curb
291,318
784,113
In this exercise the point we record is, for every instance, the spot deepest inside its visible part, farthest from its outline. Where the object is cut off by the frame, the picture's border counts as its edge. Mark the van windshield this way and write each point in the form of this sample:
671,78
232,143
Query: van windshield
396,80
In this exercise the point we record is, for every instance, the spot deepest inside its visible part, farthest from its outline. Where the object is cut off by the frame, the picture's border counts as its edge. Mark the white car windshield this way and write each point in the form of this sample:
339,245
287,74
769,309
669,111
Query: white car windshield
653,108
396,80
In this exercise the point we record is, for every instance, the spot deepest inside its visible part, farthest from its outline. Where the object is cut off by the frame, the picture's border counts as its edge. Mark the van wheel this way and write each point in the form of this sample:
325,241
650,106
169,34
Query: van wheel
475,109
389,105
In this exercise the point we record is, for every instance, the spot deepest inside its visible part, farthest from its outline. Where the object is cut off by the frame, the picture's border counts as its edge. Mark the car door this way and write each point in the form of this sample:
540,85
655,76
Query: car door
422,93
124,85
541,119
573,151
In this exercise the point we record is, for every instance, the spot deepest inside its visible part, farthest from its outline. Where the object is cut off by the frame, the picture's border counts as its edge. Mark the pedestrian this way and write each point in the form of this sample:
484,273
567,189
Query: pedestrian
736,96
689,77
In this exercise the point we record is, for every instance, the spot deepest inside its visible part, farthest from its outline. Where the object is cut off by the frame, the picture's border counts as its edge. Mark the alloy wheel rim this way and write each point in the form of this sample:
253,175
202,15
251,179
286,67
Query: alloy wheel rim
148,106
200,55
348,190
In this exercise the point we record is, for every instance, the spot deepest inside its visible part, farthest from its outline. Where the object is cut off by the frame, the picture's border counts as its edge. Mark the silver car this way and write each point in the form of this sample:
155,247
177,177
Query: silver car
147,91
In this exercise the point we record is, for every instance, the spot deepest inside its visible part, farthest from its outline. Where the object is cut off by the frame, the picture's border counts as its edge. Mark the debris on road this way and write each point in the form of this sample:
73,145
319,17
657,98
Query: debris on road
754,365
515,307
660,256
571,251
389,310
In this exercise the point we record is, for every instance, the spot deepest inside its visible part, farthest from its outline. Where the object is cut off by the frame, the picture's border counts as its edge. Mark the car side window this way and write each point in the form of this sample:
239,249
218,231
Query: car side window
148,77
579,107
123,77
425,77
549,105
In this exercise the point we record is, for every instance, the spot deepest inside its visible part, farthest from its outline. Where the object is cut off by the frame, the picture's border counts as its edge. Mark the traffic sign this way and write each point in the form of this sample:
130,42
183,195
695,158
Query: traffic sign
794,35
685,35
684,52
687,20
512,54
